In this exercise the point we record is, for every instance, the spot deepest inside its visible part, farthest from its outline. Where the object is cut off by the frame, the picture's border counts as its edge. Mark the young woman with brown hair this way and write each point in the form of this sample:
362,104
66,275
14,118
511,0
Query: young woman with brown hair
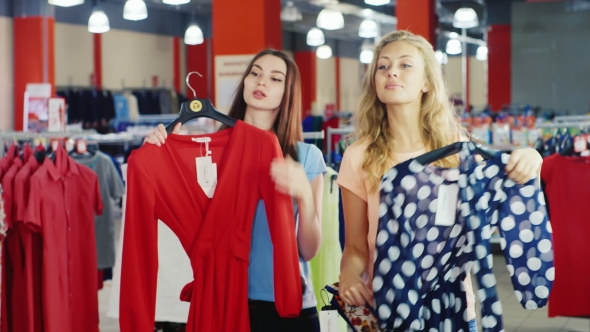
269,97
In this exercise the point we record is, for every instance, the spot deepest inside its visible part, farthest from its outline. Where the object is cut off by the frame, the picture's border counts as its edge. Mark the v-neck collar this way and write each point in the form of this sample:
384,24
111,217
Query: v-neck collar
195,188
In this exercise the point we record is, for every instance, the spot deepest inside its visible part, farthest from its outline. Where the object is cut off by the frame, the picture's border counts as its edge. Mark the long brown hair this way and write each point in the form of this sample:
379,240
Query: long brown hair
287,125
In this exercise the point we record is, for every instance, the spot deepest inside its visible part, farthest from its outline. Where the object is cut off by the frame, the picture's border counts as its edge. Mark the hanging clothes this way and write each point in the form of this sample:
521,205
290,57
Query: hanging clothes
435,224
16,318
325,266
63,200
215,232
111,188
567,185
2,216
132,104
31,250
10,250
174,272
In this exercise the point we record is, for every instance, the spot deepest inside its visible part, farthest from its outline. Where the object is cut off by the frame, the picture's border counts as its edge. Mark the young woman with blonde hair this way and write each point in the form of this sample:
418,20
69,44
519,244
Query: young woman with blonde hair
404,112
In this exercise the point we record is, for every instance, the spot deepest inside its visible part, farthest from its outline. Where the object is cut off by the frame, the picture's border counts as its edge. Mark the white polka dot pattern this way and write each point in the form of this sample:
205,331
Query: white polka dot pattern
419,265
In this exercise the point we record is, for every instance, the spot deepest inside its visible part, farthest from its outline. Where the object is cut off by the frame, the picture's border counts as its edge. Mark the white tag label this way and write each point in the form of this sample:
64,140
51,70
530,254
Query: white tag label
328,321
207,175
446,210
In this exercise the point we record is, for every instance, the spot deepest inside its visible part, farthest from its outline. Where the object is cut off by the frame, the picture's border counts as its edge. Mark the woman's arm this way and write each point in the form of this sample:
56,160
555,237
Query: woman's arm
290,178
309,236
355,257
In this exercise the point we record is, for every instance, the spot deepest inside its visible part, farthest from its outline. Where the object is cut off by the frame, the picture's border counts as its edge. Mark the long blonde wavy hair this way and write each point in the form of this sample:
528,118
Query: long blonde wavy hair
440,126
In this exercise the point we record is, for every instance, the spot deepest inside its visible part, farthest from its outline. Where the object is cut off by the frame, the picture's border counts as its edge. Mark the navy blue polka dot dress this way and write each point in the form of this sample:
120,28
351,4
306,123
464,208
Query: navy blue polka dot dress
435,224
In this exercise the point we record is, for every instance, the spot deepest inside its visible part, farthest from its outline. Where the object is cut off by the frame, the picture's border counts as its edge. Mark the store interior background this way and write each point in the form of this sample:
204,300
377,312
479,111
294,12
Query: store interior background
538,57
541,63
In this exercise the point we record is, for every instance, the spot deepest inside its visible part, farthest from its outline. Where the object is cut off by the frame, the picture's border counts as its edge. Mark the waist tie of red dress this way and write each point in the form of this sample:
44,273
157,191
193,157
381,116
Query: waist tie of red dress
240,248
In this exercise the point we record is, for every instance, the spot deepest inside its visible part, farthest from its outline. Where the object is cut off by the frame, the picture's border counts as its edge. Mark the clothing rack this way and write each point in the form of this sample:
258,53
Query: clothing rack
335,131
564,124
145,88
569,118
29,135
77,87
313,135
91,136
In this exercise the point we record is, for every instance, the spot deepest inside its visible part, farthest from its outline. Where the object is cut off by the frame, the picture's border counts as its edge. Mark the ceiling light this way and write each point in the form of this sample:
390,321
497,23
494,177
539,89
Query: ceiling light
441,57
98,22
465,18
193,35
454,47
368,29
482,53
135,10
175,2
330,20
324,52
366,55
65,3
377,2
315,37
290,13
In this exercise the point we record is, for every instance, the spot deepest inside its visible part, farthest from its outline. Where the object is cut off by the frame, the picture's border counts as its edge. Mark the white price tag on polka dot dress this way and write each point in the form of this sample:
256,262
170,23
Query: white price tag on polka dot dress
446,210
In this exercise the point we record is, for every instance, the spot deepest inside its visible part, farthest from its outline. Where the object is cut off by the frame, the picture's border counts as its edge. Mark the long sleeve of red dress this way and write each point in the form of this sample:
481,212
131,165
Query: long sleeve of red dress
215,232
278,208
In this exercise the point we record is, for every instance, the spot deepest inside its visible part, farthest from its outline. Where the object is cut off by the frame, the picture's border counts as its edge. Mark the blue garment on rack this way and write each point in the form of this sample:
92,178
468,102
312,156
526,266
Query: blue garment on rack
121,109
435,224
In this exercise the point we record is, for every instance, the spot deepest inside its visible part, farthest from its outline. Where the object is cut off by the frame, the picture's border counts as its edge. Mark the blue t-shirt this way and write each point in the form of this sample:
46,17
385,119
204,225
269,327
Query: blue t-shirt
260,276
121,109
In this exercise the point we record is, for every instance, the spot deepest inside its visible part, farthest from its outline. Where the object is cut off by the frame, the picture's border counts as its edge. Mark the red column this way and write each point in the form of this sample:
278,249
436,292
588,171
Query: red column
306,61
176,64
337,64
259,23
197,59
499,66
97,74
34,60
417,16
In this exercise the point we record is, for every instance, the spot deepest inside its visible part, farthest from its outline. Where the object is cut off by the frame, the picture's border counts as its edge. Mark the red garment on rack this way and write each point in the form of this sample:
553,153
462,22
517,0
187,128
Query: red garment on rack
6,161
567,186
30,297
63,200
10,248
14,317
216,233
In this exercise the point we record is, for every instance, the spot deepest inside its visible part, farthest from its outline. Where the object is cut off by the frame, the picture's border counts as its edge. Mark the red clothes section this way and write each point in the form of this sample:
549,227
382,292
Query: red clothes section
216,233
567,187
49,254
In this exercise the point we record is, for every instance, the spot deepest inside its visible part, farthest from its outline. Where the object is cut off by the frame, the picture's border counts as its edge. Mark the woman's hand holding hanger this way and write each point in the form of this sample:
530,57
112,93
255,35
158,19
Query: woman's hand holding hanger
159,134
524,164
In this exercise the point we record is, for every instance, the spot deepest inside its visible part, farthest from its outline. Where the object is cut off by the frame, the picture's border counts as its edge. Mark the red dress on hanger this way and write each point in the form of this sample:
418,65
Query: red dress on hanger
215,232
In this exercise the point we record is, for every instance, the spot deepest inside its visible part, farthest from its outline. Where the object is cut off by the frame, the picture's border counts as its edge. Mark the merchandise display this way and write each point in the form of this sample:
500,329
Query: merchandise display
59,273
